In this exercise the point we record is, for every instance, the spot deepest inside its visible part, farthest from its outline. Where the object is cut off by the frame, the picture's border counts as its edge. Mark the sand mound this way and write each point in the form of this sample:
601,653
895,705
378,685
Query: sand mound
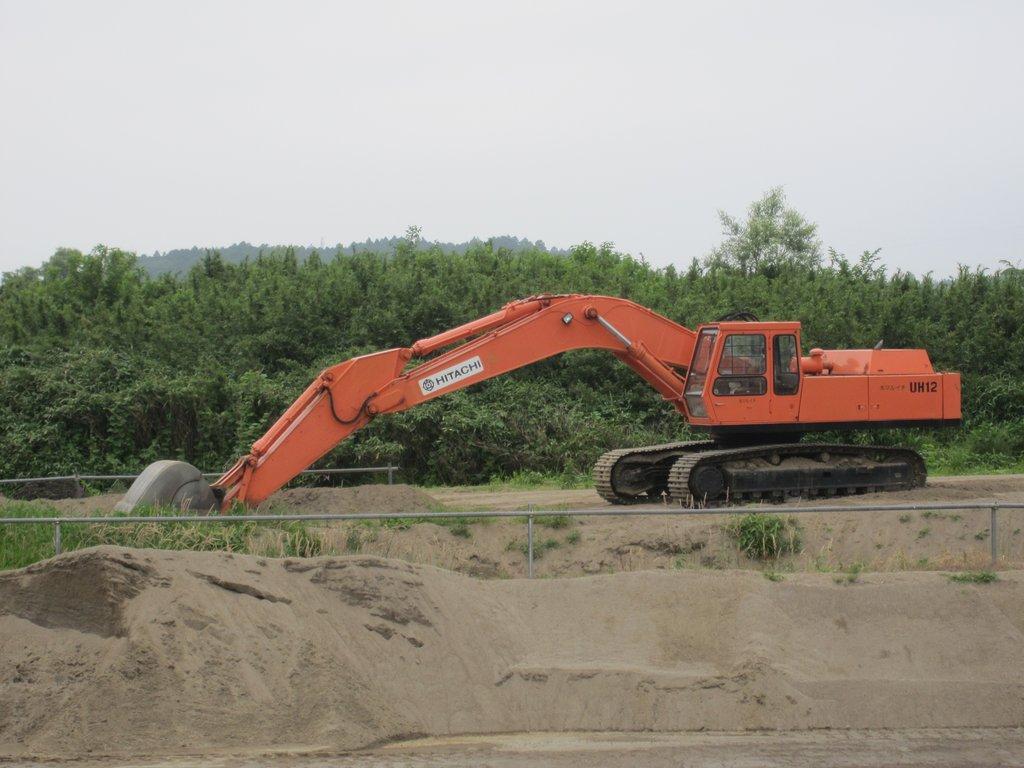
389,499
116,651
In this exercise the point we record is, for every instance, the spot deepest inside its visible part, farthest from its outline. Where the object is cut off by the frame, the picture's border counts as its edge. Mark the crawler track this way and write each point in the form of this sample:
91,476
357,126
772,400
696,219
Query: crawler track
775,472
637,475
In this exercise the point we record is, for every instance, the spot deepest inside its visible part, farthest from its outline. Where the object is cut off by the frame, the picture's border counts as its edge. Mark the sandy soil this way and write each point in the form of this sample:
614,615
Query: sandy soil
950,539
140,652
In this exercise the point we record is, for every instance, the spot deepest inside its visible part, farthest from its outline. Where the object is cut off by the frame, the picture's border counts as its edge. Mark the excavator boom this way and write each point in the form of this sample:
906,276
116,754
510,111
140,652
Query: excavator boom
346,397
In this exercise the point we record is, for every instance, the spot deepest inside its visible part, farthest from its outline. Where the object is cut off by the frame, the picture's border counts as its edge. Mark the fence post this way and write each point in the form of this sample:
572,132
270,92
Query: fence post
993,527
56,538
391,475
529,542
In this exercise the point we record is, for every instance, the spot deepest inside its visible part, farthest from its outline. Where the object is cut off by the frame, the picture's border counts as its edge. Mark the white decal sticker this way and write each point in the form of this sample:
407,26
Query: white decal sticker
450,375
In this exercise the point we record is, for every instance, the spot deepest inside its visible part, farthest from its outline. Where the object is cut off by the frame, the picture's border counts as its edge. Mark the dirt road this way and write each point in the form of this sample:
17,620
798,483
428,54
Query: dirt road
952,488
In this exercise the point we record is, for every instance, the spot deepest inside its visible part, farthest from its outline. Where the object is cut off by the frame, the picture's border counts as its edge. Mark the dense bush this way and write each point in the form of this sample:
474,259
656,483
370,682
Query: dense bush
103,368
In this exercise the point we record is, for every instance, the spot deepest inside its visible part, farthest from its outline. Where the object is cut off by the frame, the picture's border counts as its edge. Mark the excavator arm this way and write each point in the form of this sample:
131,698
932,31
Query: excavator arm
346,397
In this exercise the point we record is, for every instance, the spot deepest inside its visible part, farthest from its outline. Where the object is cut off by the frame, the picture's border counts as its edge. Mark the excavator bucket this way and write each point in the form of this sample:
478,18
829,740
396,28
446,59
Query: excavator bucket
170,484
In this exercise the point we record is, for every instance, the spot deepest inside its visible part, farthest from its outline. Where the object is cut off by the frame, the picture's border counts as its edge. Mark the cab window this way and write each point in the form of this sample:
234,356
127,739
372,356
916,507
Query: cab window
740,385
701,361
742,355
698,373
742,366
785,365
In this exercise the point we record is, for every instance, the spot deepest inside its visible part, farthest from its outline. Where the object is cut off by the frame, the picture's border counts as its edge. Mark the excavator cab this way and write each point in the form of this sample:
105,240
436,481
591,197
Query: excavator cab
744,373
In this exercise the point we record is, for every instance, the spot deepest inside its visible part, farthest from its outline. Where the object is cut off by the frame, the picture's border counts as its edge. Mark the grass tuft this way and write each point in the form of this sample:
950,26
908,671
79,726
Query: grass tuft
765,536
353,541
850,576
553,521
974,577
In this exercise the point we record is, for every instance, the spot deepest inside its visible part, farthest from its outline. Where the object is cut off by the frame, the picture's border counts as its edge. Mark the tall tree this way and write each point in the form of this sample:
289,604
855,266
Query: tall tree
772,237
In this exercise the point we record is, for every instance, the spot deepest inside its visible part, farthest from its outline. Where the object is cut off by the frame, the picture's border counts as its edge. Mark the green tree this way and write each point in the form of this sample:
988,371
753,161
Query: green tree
772,237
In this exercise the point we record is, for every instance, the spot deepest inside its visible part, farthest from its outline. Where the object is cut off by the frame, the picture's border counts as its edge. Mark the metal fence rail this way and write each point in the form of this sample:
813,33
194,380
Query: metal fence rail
345,471
529,514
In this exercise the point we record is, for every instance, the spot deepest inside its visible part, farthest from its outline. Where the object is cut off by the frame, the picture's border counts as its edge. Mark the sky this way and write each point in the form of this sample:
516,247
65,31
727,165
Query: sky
158,125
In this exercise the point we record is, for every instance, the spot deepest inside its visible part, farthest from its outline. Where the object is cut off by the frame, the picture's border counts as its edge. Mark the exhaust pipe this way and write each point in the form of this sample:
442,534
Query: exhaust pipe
169,483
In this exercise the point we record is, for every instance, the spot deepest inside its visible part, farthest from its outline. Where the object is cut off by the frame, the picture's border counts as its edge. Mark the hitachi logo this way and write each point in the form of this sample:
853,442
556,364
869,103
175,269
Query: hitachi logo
450,375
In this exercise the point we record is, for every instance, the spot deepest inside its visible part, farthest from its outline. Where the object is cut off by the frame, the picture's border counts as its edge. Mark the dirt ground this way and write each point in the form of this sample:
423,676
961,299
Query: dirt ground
951,488
120,653
834,541
668,650
398,498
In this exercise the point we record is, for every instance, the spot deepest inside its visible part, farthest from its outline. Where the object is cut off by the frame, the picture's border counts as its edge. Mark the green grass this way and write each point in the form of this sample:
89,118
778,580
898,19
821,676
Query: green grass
822,564
772,575
905,518
573,537
986,449
24,544
850,575
458,526
553,521
353,541
974,577
765,536
539,547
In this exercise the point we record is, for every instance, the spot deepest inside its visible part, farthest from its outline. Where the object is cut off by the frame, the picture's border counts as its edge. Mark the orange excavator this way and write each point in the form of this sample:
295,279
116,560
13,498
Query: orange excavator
742,381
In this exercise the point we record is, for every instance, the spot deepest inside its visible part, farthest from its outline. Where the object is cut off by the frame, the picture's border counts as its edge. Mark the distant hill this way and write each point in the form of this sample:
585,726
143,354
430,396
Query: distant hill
182,259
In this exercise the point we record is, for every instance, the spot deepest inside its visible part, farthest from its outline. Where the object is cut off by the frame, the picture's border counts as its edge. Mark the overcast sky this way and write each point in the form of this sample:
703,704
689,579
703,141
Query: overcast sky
157,125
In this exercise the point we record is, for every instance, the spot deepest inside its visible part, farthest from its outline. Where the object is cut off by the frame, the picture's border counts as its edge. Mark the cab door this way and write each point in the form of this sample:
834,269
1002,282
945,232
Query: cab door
784,400
740,390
